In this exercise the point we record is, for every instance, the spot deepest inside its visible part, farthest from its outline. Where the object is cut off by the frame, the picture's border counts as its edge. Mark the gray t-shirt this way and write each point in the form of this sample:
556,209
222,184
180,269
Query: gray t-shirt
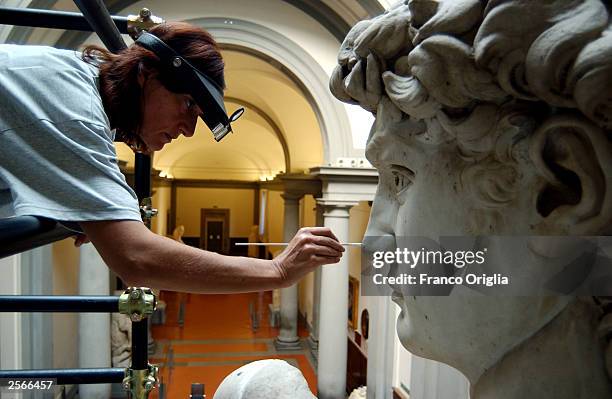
57,157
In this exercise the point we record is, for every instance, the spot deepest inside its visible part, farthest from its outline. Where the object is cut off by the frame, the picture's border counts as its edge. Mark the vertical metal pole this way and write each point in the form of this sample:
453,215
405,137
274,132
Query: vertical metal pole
140,355
142,183
142,176
99,19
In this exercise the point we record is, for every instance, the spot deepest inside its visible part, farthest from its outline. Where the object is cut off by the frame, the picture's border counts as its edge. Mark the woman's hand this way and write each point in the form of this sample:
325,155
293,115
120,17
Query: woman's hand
80,239
310,248
144,259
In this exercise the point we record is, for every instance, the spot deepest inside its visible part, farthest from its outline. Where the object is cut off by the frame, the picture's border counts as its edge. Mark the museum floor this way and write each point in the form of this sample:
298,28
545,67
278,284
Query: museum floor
217,338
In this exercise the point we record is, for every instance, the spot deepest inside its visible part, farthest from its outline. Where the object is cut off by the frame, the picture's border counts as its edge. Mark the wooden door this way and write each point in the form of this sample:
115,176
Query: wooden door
214,235
214,230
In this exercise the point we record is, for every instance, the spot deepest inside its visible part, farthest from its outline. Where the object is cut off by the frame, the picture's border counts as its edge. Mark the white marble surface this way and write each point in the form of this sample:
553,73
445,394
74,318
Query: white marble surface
264,379
493,118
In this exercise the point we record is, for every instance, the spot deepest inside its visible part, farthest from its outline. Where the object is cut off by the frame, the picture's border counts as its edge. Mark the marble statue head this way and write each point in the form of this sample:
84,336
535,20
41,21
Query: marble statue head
493,118
265,379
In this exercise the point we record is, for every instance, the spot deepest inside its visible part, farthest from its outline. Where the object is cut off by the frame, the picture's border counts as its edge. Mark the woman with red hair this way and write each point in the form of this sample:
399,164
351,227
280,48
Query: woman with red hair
59,114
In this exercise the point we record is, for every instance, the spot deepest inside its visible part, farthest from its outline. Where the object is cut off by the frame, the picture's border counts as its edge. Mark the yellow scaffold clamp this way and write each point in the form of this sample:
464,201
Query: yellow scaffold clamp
145,20
139,383
137,303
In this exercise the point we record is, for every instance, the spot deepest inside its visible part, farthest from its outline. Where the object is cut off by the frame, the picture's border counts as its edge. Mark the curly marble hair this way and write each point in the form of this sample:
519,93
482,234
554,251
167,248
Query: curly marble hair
468,70
474,75
440,56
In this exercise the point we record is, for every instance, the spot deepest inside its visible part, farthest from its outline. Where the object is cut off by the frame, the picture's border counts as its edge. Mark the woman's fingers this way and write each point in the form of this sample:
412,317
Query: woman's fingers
310,248
322,236
325,250
326,260
80,239
320,231
329,243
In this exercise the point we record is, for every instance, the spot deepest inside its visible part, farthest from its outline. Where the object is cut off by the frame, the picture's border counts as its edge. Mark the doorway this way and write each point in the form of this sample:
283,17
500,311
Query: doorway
214,230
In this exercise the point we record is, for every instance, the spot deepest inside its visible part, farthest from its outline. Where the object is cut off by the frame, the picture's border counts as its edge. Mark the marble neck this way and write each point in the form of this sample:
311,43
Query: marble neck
564,360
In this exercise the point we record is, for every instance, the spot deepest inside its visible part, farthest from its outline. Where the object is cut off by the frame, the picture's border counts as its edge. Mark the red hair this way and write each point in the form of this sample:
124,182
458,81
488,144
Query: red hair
119,88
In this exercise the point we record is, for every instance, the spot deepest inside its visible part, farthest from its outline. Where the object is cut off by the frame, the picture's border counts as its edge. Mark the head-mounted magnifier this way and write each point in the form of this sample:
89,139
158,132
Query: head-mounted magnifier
188,79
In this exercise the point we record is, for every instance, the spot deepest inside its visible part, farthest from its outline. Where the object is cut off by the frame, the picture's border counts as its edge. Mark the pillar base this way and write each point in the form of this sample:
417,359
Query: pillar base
288,345
313,343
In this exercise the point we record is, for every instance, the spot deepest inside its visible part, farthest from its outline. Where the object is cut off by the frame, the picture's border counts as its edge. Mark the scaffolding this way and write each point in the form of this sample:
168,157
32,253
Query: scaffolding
22,233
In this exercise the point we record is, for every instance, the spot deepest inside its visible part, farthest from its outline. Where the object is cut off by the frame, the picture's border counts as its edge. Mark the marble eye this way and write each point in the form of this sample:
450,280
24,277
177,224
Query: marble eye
402,178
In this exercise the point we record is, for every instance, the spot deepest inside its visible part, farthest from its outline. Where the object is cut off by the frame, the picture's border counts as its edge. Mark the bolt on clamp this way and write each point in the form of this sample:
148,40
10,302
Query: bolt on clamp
137,302
147,212
145,20
140,382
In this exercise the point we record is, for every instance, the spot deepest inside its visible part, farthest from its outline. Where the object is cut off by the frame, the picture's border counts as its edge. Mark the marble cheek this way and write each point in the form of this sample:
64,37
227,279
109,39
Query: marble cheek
436,205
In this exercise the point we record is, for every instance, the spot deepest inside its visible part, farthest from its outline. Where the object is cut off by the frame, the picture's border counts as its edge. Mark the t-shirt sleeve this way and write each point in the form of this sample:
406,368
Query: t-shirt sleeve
66,171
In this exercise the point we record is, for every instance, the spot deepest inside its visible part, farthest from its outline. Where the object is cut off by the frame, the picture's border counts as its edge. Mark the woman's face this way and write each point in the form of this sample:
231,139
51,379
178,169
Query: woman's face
166,115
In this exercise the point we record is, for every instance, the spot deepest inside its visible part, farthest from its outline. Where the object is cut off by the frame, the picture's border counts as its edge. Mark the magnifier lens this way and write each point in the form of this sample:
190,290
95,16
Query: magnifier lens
237,114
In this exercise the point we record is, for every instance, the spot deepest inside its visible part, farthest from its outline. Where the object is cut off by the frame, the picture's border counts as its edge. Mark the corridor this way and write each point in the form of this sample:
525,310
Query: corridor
218,337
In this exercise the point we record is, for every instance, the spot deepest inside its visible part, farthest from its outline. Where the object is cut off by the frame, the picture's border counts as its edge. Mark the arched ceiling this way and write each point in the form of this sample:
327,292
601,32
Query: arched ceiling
278,128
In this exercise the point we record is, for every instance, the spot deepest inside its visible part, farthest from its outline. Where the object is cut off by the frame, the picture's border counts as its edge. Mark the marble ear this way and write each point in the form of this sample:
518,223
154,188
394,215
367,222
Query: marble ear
575,158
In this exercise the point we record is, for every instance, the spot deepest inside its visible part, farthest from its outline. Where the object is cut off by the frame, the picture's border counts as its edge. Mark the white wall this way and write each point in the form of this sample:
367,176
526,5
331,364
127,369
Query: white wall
434,380
10,323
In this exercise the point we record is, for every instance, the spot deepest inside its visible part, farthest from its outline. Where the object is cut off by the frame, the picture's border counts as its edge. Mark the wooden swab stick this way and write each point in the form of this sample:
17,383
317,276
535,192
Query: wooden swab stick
284,244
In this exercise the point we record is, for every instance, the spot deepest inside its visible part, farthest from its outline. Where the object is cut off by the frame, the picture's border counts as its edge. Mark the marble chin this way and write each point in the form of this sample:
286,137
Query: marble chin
471,333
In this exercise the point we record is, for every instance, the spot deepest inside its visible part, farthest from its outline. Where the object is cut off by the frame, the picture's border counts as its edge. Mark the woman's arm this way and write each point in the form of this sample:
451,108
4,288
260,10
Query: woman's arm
143,258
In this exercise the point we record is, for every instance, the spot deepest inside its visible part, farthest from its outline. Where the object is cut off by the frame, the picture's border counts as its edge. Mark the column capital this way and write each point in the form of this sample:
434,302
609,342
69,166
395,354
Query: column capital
347,184
329,203
300,183
336,208
292,196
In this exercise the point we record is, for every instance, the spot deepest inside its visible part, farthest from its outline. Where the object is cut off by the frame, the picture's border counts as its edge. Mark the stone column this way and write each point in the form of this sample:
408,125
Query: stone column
288,336
333,317
381,348
313,339
434,380
11,332
94,328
